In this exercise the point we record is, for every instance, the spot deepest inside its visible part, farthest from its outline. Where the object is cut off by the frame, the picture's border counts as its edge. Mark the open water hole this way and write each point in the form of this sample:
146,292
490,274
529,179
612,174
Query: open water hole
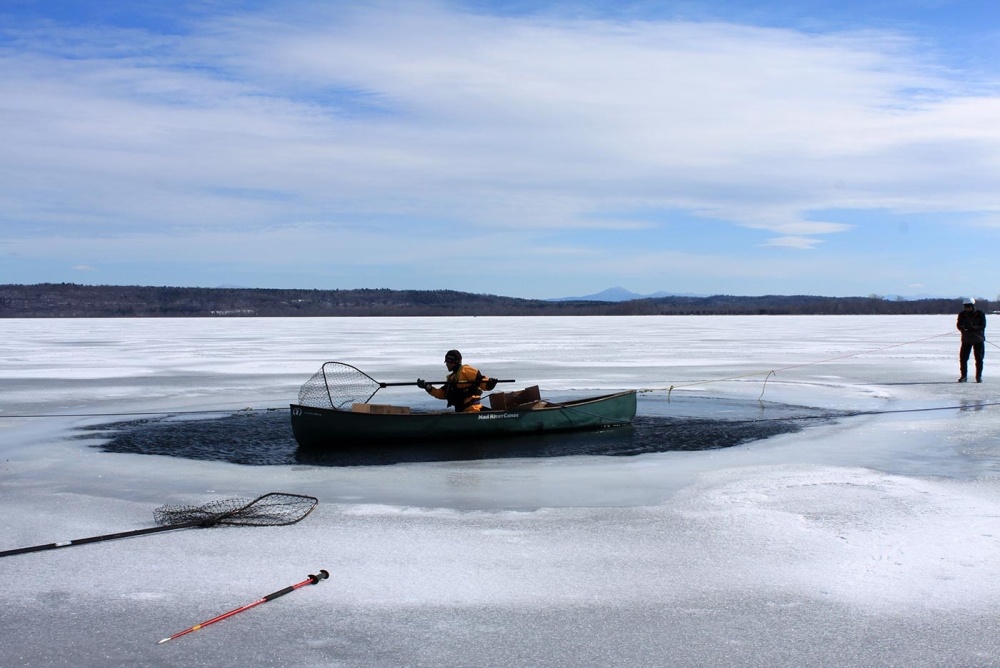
264,438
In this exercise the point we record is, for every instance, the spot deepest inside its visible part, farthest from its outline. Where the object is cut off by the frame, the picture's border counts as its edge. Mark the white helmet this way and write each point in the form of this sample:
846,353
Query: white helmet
969,300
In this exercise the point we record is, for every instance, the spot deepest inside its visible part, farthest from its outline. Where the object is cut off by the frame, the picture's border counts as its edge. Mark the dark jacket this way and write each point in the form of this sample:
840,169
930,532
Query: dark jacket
972,324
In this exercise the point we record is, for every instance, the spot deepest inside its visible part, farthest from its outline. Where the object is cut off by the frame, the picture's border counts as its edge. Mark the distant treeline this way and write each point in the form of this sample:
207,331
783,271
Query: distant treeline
69,300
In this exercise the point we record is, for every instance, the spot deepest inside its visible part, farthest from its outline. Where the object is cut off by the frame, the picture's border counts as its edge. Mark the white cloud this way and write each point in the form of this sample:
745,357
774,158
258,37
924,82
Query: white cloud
497,118
801,227
799,243
990,220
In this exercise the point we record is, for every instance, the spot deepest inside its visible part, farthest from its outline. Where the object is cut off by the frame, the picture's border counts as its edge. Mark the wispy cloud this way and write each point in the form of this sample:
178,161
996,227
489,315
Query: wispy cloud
800,243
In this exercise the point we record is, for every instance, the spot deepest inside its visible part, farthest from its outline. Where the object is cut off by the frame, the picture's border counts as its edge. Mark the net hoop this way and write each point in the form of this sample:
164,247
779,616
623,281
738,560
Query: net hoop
338,386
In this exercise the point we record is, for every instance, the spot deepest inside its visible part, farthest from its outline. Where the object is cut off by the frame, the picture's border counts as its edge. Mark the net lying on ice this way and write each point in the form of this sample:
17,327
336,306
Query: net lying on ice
274,509
337,385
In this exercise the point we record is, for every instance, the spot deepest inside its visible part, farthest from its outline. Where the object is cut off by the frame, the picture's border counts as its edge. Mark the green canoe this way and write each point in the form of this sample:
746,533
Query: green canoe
316,427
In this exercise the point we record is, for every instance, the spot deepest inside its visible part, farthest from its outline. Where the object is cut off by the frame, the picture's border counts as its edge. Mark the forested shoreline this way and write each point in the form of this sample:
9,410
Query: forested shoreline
70,300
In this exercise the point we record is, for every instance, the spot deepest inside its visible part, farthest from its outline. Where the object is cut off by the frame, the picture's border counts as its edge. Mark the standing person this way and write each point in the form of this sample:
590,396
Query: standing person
972,324
463,387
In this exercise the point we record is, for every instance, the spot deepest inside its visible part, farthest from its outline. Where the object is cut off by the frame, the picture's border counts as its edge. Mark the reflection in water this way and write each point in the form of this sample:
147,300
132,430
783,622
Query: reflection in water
265,439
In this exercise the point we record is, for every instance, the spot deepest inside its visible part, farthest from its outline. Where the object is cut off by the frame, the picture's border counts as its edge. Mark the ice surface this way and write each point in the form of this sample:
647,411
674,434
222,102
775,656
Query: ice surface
864,540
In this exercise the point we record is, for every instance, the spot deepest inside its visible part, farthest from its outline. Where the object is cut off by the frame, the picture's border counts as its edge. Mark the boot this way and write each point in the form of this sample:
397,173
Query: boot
962,379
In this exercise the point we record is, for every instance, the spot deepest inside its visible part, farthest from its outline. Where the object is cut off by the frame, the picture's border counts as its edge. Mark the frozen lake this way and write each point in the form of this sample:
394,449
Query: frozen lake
863,530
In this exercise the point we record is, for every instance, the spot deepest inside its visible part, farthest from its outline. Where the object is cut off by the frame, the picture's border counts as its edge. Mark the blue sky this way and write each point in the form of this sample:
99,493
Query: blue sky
530,149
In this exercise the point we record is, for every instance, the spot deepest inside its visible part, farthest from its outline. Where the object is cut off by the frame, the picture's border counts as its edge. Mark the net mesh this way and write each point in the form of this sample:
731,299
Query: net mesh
274,509
337,385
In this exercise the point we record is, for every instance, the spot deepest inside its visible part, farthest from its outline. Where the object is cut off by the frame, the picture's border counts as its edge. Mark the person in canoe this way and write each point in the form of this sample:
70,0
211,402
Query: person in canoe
463,387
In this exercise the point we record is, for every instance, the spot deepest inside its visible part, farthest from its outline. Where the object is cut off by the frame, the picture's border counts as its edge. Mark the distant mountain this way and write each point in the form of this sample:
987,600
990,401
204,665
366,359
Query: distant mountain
911,298
620,294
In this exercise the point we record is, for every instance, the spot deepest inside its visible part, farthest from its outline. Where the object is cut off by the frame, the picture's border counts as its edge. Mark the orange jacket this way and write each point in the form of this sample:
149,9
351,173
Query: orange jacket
464,389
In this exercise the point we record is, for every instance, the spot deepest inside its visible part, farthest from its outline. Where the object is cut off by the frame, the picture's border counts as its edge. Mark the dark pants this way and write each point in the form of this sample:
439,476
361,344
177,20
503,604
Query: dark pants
979,348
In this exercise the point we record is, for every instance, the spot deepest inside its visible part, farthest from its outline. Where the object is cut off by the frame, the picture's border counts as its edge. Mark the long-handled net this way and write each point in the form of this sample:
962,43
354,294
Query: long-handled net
337,385
273,509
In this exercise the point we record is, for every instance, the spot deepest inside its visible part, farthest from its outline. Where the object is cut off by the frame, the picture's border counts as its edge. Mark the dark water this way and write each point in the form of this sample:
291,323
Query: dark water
264,438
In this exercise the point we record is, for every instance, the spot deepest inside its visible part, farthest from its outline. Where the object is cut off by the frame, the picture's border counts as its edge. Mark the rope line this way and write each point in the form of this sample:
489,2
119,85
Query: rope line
774,372
669,390
611,423
783,419
75,415
848,414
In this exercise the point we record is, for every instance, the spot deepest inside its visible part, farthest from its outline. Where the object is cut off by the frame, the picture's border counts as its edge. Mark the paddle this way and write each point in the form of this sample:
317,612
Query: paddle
338,385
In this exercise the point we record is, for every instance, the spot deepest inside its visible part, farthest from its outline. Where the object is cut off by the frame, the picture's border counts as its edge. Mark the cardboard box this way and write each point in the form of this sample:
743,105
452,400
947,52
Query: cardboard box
380,409
501,401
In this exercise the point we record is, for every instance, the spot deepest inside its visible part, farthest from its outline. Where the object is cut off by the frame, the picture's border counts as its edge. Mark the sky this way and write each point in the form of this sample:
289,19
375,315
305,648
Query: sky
527,149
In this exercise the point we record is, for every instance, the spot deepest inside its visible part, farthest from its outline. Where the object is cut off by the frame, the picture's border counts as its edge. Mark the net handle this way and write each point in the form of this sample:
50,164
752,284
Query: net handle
97,539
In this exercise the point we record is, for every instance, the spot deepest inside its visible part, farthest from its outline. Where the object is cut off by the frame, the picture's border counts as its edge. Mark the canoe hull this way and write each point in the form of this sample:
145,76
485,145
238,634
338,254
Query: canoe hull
328,428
